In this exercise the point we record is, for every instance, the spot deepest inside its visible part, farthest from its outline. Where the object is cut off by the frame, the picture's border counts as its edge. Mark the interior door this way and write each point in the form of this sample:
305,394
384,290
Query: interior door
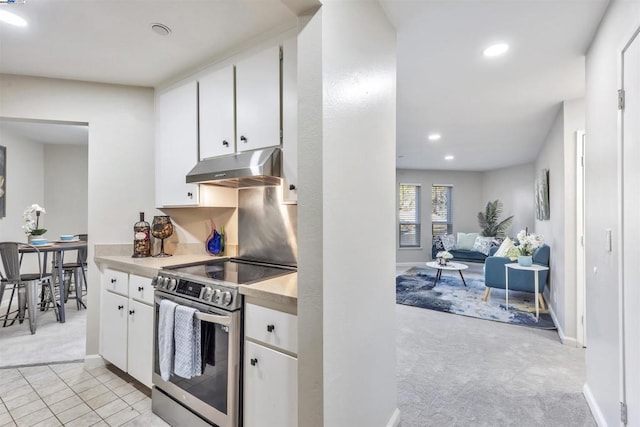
631,229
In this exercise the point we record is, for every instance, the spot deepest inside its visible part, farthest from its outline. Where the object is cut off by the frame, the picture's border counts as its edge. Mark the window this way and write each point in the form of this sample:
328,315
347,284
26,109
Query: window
441,222
409,215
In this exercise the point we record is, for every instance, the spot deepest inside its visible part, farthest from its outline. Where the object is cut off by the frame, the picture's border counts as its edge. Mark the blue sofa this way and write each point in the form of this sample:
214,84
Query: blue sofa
462,255
494,273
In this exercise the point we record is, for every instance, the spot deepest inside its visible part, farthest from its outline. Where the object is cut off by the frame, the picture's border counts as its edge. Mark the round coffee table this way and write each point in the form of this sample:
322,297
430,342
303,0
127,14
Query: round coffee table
451,266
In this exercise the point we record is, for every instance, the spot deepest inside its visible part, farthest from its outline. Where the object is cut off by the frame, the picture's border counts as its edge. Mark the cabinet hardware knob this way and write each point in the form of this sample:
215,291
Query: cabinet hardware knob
131,311
225,143
189,194
140,288
243,139
270,328
120,307
113,280
292,187
254,362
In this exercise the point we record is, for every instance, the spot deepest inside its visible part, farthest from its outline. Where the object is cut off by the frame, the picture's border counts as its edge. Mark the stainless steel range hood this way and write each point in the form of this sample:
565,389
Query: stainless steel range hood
247,169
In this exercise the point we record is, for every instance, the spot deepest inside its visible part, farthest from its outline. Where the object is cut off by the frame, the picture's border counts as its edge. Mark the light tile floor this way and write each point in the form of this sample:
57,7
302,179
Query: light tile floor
89,393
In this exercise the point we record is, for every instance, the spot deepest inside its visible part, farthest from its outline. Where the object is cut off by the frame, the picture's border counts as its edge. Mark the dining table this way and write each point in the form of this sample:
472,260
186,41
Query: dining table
57,248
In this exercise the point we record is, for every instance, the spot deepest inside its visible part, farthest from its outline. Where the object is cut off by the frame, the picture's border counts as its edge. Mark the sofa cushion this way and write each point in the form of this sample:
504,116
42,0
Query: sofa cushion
466,241
449,242
437,243
507,244
483,244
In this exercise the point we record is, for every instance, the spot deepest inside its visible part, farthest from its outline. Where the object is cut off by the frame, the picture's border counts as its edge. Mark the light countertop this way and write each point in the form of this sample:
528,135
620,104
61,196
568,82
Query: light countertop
281,291
147,267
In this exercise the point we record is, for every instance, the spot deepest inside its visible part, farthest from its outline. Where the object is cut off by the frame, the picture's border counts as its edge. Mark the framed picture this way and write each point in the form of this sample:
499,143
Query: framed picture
543,211
3,181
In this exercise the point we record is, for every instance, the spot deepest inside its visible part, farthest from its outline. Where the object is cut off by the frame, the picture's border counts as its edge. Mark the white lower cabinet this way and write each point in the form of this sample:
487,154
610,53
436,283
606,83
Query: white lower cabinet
270,368
127,326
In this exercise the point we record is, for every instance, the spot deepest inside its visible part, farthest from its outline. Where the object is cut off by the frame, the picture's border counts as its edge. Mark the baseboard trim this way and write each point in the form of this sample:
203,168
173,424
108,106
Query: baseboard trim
394,421
593,406
571,341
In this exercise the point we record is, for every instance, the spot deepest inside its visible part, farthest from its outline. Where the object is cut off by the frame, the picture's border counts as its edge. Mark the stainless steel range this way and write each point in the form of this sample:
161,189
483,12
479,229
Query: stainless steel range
211,288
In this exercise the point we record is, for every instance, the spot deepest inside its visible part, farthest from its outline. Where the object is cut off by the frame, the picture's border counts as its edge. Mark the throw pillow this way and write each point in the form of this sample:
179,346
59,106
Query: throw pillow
466,241
504,247
449,242
483,244
437,242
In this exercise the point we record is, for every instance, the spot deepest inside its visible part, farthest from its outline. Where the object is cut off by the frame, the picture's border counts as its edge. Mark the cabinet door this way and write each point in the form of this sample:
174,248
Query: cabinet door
258,100
272,327
290,120
217,110
176,145
113,315
140,345
116,281
140,288
270,387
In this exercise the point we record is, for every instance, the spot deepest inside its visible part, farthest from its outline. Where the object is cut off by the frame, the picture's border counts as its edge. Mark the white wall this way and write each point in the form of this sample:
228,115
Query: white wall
24,183
513,186
66,192
602,207
551,157
120,122
358,170
558,154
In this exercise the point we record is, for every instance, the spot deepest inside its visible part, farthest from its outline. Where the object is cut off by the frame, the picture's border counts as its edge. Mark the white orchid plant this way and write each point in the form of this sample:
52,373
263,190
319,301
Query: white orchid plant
444,255
529,242
32,225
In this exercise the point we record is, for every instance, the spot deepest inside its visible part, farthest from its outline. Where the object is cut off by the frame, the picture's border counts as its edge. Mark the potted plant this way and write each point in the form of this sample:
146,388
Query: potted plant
488,220
31,225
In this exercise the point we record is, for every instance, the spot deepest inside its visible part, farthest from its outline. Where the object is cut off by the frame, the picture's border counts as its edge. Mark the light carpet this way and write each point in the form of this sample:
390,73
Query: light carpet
416,288
52,342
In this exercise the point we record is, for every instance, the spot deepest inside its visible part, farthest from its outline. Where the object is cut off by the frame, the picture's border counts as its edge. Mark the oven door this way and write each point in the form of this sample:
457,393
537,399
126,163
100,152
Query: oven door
214,395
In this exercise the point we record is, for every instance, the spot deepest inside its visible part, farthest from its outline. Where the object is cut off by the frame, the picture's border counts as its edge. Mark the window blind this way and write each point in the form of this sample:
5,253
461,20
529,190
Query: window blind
441,218
409,215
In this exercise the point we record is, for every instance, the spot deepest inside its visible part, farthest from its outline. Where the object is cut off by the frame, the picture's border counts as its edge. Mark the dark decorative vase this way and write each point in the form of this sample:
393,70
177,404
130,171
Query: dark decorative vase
214,244
161,228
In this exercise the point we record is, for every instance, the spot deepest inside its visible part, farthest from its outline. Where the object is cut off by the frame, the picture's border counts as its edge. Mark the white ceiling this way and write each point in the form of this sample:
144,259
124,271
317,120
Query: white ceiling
490,113
46,132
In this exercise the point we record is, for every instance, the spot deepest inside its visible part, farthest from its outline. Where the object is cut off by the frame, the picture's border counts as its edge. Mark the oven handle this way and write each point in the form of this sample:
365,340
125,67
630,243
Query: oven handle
212,318
202,315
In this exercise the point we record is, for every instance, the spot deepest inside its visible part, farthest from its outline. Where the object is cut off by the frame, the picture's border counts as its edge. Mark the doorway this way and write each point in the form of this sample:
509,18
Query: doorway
630,233
46,164
581,333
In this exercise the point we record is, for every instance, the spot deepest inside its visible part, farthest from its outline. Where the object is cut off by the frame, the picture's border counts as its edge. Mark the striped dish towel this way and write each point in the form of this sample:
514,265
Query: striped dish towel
187,362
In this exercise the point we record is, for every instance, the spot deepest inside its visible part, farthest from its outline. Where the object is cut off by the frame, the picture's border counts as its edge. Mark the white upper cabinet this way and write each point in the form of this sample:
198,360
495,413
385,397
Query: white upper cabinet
176,145
258,100
290,120
217,121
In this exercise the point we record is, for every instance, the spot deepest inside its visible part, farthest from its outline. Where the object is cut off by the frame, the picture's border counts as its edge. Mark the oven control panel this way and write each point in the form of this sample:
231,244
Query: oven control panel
208,293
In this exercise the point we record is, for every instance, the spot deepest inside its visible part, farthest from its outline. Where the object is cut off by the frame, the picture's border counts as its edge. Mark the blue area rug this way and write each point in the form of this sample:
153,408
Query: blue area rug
415,288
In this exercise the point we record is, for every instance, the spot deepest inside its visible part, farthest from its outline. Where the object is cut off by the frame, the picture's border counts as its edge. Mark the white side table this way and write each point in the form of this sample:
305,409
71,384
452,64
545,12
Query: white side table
536,271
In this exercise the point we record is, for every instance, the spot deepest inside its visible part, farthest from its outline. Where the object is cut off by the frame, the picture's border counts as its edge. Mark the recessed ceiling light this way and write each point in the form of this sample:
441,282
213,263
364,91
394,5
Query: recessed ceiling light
434,137
496,50
160,29
448,157
12,19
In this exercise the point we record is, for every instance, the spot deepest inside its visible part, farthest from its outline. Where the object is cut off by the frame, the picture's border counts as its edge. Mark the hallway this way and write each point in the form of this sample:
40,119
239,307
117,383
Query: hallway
459,371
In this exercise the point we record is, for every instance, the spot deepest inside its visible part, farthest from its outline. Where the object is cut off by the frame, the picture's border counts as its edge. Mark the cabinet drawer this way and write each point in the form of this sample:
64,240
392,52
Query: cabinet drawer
272,327
116,281
140,288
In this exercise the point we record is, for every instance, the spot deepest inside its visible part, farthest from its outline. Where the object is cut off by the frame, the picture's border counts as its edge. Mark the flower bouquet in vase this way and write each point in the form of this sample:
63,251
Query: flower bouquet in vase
528,244
443,257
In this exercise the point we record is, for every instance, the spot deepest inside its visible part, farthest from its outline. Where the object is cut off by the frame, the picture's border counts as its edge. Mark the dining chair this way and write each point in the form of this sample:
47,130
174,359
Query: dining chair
77,271
25,283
